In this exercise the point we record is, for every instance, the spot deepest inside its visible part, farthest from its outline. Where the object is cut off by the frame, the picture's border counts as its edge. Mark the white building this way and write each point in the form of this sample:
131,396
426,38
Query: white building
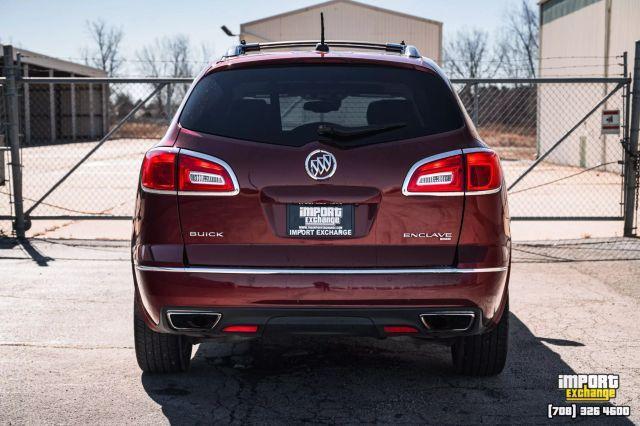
583,38
348,20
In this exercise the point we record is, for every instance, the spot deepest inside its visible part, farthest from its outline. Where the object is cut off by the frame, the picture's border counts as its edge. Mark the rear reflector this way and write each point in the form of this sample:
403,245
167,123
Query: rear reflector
240,329
158,170
396,329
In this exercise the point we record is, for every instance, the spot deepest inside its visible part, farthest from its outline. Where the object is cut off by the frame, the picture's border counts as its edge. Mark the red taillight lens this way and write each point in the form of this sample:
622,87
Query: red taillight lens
483,171
240,329
159,170
442,175
197,174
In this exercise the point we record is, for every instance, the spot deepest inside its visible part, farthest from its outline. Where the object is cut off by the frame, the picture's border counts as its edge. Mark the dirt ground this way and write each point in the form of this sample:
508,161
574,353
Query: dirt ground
66,351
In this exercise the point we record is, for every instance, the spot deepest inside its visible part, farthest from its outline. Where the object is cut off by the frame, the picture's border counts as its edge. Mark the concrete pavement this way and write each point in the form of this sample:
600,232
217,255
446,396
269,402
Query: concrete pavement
66,351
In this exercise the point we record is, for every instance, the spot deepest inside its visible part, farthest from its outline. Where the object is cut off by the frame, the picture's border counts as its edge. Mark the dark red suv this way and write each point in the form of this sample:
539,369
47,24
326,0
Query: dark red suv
323,193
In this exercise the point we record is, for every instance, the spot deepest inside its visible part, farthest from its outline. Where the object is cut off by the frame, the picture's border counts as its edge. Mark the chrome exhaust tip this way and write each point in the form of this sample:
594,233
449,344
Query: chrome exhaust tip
188,320
438,321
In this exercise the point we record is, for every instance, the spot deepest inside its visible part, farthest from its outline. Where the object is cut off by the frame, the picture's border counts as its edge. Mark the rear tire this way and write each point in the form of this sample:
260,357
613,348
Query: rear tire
484,354
159,352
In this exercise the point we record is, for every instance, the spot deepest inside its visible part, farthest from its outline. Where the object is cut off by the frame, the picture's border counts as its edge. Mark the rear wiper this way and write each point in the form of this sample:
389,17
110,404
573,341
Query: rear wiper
346,133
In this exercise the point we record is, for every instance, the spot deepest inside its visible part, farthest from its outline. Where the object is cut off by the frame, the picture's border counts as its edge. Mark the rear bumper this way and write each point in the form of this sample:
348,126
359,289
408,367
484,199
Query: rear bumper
360,322
371,298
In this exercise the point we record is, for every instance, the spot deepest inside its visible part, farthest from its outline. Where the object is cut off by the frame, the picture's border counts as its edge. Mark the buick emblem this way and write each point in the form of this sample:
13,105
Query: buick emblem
320,164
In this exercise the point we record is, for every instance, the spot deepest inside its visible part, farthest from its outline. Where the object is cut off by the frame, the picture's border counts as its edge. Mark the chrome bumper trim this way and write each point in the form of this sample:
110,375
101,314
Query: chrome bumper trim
315,271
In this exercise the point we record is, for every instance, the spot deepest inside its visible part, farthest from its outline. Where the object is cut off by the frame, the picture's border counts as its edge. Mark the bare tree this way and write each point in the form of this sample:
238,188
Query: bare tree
468,55
167,57
207,50
106,53
518,44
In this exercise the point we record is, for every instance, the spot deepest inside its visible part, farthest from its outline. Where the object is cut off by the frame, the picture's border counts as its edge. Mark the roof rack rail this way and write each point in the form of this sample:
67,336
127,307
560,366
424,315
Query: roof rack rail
401,48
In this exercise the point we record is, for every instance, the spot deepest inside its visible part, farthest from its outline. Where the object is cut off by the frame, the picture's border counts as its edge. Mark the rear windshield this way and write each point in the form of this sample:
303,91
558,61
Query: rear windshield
346,105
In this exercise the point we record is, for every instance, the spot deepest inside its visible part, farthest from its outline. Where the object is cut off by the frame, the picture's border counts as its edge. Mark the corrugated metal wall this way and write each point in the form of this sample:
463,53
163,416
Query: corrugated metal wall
625,30
575,45
569,43
349,21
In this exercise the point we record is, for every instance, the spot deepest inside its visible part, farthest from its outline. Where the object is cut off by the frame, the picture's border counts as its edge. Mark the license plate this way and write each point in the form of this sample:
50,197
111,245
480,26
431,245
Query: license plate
320,221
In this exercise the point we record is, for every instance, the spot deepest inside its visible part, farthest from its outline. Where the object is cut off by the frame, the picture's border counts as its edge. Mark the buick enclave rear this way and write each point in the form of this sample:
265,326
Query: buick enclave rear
321,193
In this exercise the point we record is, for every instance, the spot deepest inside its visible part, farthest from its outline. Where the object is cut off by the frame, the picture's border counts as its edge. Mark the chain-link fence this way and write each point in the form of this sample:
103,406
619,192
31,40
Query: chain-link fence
82,141
68,121
582,176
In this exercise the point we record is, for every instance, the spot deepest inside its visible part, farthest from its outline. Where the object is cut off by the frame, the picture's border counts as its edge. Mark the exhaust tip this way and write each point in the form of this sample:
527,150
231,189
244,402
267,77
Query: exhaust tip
448,321
193,320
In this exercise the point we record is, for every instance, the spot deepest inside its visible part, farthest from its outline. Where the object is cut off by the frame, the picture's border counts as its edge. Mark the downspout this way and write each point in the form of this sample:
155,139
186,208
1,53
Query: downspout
607,50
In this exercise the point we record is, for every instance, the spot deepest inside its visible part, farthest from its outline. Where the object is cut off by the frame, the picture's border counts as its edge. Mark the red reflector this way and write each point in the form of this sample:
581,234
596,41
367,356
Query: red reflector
197,174
399,329
443,175
483,171
158,170
240,329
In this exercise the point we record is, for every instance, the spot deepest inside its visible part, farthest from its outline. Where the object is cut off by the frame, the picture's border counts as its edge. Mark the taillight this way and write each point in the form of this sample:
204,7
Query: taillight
159,170
473,171
483,171
194,173
204,174
442,176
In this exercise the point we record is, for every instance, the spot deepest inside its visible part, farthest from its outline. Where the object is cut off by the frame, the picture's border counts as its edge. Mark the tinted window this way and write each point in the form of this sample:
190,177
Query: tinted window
287,105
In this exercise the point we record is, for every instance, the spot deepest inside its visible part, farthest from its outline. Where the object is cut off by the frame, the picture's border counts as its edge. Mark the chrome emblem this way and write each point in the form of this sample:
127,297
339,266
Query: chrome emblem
320,164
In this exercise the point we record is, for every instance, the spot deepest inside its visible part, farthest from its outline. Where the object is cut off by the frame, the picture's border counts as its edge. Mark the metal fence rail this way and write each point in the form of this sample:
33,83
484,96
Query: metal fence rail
82,141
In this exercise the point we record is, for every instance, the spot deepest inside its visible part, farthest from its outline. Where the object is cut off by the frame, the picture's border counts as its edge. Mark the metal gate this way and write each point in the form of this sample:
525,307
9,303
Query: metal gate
548,131
79,142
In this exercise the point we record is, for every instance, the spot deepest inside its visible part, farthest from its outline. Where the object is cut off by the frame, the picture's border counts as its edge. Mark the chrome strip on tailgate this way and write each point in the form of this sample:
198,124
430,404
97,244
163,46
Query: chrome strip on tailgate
314,271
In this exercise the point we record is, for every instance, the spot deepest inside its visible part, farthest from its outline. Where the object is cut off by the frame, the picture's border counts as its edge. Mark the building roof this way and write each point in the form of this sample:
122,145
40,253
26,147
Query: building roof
330,2
49,62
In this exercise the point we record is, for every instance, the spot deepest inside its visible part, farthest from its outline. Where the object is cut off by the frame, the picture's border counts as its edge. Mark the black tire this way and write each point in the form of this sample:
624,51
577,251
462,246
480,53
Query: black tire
159,352
483,354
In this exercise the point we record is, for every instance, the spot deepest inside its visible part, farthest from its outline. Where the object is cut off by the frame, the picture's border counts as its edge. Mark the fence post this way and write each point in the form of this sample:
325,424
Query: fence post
13,128
475,105
631,152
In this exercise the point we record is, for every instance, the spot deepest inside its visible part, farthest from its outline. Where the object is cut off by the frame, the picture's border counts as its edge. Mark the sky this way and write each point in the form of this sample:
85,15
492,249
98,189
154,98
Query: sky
58,27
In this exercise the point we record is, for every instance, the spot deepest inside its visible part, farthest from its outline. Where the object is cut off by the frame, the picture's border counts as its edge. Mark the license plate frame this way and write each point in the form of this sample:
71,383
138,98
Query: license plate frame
320,221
